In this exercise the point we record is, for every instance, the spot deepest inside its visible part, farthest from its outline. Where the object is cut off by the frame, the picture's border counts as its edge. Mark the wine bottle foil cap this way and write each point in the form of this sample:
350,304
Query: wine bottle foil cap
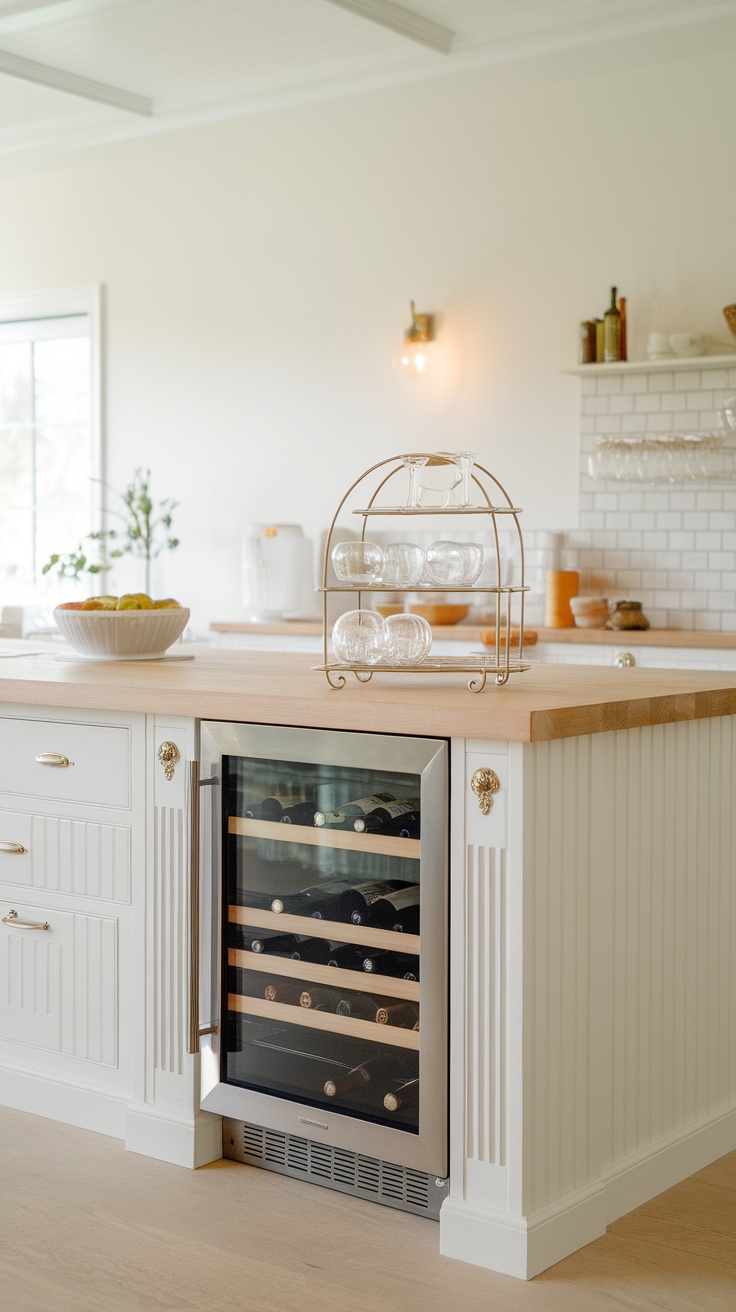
382,1016
277,904
359,826
391,1102
256,945
330,1089
305,999
319,818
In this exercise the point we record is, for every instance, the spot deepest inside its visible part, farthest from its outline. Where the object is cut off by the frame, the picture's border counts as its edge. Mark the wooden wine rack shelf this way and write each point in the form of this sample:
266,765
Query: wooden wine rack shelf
312,836
388,1035
360,981
336,930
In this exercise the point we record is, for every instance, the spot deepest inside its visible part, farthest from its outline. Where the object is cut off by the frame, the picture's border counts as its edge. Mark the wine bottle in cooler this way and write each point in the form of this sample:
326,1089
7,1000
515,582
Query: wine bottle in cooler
405,1015
349,812
397,910
382,815
316,998
302,813
269,809
353,956
283,990
359,898
385,1066
358,1005
319,900
401,965
406,1095
405,826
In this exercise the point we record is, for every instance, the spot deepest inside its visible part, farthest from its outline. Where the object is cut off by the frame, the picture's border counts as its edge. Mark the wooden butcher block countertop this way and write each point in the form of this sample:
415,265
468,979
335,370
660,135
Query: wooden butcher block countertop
545,702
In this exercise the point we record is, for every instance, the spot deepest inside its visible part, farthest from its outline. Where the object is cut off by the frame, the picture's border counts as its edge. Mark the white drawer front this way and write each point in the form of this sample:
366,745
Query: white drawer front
59,987
100,757
82,857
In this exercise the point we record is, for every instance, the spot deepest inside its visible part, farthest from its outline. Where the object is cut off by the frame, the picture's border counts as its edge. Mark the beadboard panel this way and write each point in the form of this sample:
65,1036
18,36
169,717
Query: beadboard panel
630,1033
170,936
90,1028
80,857
485,1010
674,931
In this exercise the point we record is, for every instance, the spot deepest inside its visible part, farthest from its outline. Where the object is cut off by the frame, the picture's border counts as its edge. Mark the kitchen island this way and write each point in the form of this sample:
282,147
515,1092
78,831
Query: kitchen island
593,920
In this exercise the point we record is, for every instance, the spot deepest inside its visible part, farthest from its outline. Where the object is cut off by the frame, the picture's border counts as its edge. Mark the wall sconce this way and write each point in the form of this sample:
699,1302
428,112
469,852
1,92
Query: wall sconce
413,358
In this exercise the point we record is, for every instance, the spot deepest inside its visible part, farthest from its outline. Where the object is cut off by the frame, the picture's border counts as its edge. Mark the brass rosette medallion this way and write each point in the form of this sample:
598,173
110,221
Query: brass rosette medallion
484,784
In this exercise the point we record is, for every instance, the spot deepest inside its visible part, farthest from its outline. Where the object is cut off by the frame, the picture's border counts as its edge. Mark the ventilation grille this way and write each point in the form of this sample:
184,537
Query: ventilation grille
337,1168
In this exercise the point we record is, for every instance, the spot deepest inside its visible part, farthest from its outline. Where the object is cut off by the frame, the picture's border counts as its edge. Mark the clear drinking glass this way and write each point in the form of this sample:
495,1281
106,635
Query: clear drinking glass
474,557
408,639
358,637
403,563
454,564
357,562
462,493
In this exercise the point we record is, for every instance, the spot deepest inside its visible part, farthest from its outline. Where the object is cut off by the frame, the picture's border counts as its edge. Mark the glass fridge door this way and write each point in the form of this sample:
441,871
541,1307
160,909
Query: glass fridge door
332,937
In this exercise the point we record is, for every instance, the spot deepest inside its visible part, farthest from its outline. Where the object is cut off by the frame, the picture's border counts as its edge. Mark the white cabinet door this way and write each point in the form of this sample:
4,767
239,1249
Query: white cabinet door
59,981
66,762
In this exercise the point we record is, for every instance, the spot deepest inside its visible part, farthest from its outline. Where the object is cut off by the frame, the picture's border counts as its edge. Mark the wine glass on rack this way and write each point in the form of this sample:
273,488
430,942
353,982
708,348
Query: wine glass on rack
415,464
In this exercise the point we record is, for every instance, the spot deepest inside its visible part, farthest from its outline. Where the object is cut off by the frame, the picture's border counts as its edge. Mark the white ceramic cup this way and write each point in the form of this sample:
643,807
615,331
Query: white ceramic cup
658,345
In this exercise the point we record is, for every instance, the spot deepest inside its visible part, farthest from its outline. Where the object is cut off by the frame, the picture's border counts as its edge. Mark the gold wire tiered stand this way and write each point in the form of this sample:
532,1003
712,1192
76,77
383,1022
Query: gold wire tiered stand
505,656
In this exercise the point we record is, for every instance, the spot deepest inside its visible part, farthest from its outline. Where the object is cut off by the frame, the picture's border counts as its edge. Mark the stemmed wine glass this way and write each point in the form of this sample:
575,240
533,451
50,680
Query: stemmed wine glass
415,465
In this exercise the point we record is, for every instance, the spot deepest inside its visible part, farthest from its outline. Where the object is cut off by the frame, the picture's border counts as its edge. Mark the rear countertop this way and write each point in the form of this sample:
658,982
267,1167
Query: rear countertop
545,702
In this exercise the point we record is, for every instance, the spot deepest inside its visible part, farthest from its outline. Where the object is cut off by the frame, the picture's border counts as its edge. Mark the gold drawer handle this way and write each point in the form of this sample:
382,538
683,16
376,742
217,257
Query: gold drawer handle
484,784
52,758
7,845
12,920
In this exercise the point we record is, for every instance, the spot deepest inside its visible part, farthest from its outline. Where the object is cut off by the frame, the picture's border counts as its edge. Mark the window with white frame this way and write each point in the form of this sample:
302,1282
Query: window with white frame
50,441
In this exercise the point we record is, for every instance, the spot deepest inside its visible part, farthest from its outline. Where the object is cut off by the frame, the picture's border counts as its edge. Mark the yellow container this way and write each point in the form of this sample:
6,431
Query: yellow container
562,584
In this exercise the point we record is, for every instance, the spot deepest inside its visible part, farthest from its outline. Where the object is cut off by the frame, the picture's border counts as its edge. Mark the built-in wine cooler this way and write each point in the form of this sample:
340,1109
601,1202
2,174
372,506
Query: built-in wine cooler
323,989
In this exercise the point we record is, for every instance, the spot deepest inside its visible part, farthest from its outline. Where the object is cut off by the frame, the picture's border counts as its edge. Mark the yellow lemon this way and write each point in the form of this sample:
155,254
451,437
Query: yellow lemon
167,603
128,602
107,603
143,599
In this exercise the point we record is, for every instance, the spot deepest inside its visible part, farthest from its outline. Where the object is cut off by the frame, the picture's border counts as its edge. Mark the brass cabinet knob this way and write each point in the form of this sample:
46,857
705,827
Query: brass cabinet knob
484,784
168,755
624,659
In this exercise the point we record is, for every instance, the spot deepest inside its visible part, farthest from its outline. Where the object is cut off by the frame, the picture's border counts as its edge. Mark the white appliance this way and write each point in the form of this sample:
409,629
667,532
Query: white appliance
278,574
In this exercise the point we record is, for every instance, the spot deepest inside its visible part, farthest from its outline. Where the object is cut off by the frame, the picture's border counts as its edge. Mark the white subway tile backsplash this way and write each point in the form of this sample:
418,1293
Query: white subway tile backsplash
672,547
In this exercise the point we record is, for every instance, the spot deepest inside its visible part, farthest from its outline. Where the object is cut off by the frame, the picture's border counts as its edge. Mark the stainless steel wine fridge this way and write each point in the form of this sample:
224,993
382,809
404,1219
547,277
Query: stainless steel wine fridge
323,957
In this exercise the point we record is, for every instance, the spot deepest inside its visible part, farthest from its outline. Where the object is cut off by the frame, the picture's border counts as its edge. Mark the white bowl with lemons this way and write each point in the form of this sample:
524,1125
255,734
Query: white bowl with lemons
133,627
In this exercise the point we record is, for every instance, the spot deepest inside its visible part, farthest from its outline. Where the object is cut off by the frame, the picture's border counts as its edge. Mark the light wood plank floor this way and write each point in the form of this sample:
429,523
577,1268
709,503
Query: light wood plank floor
87,1227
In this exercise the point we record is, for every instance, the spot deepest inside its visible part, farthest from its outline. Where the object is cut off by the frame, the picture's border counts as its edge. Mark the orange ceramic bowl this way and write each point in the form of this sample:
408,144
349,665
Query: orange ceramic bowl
439,614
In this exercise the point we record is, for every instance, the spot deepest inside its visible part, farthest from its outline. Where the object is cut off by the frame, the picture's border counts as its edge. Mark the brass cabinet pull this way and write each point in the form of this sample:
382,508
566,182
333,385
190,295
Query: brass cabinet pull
12,920
7,845
484,784
53,758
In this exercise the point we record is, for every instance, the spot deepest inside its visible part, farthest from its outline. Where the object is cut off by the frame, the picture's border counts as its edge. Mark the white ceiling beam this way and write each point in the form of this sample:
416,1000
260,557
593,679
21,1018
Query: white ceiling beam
403,21
59,80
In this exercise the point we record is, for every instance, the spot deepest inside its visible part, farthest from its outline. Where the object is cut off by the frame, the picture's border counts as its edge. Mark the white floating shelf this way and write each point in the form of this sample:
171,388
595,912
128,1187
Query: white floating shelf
668,365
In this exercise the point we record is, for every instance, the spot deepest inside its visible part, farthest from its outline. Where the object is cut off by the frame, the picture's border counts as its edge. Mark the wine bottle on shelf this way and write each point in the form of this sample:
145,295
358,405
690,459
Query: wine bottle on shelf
319,900
407,1095
359,1005
375,820
353,956
406,826
401,965
405,1015
397,910
612,331
349,812
302,813
315,998
359,898
384,1066
622,312
283,990
269,809
282,945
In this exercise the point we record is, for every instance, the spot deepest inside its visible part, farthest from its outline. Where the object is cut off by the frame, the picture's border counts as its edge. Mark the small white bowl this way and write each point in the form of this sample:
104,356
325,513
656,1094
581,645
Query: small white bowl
121,635
589,612
688,344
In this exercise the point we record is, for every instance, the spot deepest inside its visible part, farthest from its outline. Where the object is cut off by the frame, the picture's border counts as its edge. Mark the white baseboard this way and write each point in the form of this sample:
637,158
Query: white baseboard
182,1140
524,1246
88,1109
518,1246
637,1179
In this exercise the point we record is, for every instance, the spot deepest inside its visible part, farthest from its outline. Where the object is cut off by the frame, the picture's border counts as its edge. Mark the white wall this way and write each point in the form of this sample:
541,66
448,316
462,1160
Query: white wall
258,274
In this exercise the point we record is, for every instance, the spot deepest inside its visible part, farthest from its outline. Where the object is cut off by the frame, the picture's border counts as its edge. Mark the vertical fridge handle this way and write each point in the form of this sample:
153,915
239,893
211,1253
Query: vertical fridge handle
193,1035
